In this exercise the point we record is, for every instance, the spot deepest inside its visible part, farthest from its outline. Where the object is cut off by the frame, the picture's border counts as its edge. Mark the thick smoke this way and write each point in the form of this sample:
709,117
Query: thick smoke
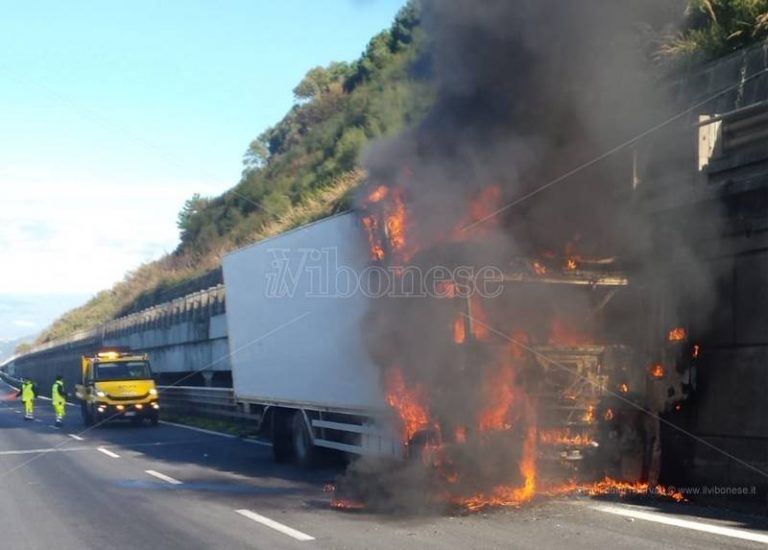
529,92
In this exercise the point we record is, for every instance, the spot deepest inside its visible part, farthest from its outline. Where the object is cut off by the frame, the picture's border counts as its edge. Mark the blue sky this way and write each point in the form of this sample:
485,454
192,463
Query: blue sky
113,113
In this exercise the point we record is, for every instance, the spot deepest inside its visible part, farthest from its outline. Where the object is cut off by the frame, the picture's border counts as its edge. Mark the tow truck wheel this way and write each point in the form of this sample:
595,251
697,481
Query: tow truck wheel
303,448
154,420
86,414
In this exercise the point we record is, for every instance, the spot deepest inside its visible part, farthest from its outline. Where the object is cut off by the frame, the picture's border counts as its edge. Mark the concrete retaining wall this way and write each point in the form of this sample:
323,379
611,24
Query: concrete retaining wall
186,339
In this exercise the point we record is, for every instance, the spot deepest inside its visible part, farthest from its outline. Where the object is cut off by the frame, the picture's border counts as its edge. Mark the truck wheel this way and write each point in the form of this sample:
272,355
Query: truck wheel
303,447
154,420
282,443
86,414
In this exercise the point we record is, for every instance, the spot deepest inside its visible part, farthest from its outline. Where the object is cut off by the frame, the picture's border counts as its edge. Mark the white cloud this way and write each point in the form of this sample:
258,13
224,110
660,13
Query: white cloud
22,323
63,235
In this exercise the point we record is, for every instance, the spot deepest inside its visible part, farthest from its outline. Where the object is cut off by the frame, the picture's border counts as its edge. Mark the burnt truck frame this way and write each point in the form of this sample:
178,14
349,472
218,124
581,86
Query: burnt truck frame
608,397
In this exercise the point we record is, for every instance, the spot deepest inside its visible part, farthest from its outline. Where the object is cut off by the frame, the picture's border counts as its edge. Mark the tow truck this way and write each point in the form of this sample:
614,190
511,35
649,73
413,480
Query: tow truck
117,384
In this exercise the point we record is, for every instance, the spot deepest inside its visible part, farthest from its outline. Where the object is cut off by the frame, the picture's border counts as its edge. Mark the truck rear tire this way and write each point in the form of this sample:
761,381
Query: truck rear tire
304,449
282,442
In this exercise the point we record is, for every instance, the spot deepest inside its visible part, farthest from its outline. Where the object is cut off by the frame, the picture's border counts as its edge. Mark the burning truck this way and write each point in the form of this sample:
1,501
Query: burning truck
502,382
556,379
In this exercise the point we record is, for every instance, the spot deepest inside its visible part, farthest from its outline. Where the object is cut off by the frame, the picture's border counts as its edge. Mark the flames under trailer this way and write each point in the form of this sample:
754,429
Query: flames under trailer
299,364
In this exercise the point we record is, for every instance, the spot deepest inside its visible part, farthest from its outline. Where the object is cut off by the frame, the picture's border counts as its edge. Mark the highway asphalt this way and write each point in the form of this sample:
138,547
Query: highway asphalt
168,487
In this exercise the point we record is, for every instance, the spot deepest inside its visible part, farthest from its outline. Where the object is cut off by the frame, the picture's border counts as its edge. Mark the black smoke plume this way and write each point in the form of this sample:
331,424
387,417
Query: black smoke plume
528,94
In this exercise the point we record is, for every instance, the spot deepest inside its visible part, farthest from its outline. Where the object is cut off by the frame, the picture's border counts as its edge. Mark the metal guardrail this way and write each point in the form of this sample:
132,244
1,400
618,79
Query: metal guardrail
8,379
202,401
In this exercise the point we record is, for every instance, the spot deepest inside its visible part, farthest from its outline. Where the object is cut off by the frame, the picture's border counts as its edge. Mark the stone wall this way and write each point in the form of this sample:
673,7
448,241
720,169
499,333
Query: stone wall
715,186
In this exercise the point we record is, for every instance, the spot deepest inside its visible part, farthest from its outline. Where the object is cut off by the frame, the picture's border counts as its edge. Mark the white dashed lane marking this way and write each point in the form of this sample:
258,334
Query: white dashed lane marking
108,452
272,524
75,437
167,479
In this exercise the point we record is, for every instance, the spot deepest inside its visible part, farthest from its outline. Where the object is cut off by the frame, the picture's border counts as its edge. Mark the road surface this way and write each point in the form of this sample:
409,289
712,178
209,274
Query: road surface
169,487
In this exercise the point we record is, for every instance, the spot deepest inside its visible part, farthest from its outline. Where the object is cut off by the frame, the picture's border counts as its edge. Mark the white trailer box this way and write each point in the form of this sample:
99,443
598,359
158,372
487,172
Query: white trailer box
295,321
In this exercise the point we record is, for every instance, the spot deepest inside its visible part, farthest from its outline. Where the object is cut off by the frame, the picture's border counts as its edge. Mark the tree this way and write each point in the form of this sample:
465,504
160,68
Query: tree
318,80
191,217
716,27
256,156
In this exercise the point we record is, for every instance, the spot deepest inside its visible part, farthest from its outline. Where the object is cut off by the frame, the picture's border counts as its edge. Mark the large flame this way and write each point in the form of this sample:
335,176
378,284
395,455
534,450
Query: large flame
407,401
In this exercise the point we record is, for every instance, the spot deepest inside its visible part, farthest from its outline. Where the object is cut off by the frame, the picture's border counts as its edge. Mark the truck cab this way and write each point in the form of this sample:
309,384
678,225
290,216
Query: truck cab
117,384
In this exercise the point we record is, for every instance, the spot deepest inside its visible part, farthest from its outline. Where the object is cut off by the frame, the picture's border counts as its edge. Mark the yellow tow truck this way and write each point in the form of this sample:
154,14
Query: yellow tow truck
117,384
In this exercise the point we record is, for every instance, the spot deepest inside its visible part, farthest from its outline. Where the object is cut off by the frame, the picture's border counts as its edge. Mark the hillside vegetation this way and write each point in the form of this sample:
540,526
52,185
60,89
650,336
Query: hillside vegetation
714,28
301,169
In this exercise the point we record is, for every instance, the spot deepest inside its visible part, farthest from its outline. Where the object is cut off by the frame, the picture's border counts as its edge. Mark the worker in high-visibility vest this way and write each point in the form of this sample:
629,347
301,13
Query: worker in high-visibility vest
59,398
28,393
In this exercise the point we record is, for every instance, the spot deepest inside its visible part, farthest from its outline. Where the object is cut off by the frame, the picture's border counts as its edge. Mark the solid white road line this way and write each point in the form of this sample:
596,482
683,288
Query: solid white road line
257,442
164,477
684,523
47,450
284,529
211,432
76,437
108,452
195,429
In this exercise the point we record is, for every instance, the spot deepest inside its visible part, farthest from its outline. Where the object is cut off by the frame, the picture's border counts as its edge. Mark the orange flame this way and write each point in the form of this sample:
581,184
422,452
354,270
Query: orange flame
485,203
378,194
407,402
677,334
610,486
346,504
480,214
501,389
572,264
539,268
446,289
623,388
396,222
696,350
608,416
459,332
589,416
480,322
461,434
657,371
371,229
508,495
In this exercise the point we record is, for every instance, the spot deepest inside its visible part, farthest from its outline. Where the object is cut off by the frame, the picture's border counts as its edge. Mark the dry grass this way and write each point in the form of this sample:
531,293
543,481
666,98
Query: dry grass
327,202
